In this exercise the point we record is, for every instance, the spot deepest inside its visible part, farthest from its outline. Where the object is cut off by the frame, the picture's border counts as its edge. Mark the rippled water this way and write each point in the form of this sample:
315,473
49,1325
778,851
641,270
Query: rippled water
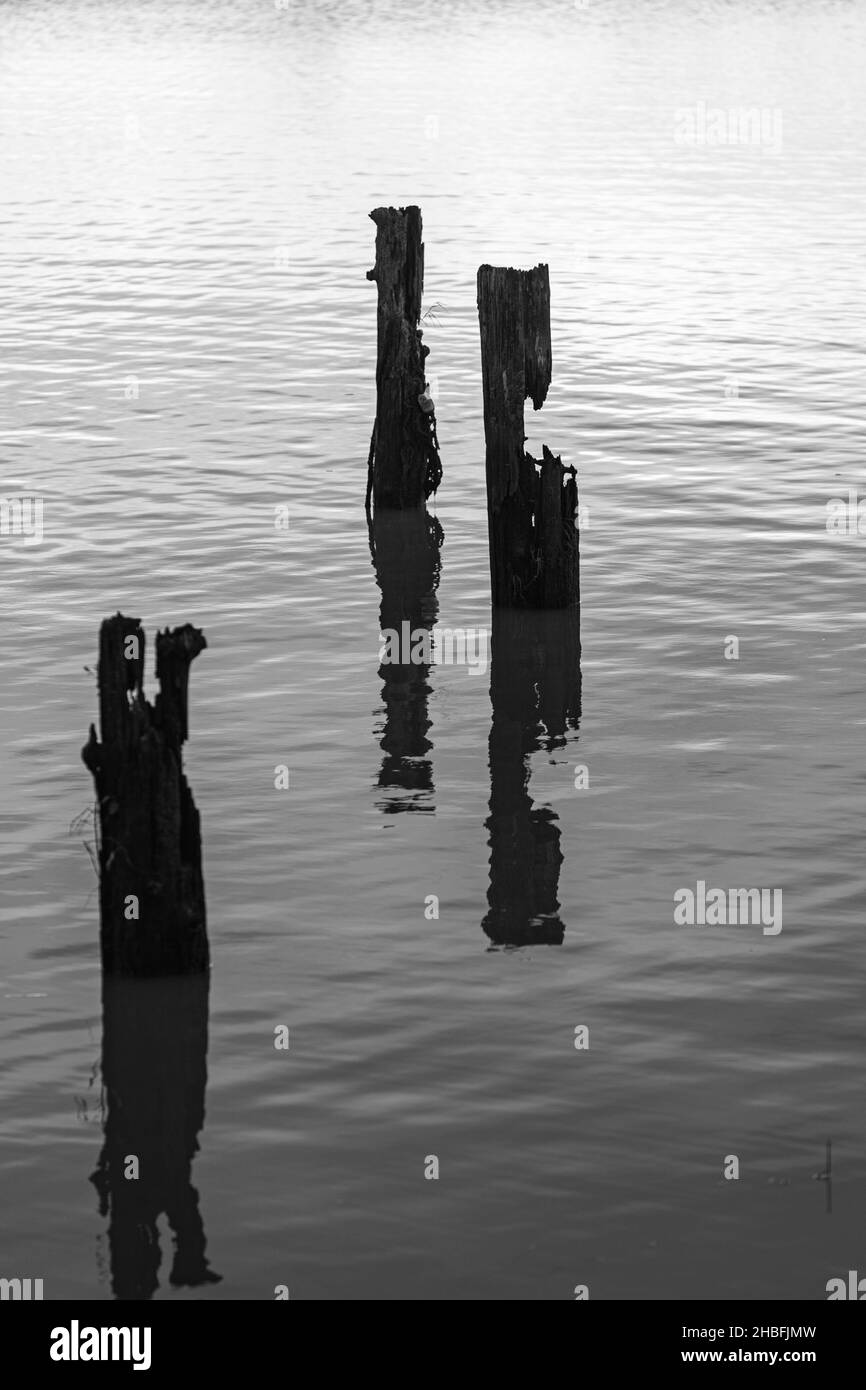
188,341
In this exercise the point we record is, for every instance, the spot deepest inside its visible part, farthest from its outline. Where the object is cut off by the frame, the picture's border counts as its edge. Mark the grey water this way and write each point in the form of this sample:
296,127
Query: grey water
187,343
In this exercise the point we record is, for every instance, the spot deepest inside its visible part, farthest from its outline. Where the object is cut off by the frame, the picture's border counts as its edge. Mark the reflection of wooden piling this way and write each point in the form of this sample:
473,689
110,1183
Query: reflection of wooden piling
154,1073
404,466
152,905
535,690
531,503
405,547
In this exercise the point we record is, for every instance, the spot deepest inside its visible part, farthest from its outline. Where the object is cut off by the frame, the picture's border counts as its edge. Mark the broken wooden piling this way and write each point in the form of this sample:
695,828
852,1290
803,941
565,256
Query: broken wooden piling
404,467
531,503
151,891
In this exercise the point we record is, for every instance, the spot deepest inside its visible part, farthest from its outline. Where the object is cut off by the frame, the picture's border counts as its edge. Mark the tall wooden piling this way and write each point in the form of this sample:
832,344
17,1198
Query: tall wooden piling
531,503
151,891
404,467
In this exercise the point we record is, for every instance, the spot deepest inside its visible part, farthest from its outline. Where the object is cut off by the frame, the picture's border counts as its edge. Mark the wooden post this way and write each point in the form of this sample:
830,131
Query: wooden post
531,503
404,466
151,891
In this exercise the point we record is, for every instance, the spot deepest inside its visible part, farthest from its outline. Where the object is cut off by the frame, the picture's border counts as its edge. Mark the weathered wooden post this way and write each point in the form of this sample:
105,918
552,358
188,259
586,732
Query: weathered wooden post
151,891
403,467
531,503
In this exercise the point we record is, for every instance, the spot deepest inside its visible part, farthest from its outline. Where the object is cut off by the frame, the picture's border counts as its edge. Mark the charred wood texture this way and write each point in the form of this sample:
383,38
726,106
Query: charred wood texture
151,891
531,503
404,466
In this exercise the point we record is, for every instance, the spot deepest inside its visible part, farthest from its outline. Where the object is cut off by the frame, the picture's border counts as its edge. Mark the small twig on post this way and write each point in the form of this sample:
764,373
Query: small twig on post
404,467
531,503
151,890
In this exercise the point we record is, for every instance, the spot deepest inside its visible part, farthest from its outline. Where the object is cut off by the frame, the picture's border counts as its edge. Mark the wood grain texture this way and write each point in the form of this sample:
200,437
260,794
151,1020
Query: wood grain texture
150,833
404,467
531,503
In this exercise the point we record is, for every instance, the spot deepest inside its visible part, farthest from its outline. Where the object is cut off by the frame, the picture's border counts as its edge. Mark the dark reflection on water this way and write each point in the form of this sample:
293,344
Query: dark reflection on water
535,686
405,547
154,1073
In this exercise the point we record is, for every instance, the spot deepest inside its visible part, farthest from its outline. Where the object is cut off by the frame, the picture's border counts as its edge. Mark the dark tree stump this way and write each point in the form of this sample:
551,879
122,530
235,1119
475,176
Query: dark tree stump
151,891
404,466
531,503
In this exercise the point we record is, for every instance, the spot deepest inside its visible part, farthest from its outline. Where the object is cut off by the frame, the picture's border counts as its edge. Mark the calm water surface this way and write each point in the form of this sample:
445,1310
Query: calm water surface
187,341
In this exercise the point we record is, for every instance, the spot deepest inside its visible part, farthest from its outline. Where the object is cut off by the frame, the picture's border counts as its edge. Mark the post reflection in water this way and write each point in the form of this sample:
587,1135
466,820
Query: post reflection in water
405,546
535,687
154,1073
